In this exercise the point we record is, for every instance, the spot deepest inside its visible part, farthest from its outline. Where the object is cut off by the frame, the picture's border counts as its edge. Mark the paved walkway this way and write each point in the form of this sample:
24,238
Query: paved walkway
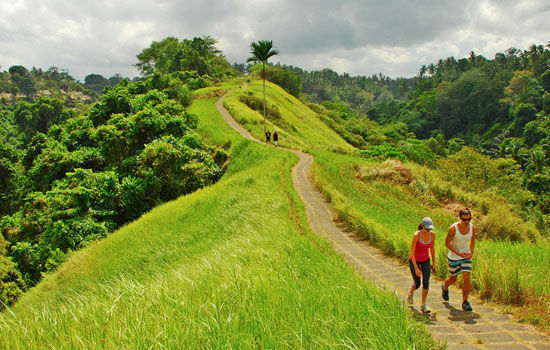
484,328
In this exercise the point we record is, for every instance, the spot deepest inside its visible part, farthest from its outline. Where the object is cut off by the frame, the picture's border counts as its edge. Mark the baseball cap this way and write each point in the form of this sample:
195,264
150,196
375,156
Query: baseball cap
427,223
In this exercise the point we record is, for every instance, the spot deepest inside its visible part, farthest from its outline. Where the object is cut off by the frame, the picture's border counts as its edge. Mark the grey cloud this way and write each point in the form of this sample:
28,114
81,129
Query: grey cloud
365,37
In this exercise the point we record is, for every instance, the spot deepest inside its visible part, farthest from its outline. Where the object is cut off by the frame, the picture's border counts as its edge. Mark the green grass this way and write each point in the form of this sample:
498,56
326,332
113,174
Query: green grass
298,126
387,213
233,265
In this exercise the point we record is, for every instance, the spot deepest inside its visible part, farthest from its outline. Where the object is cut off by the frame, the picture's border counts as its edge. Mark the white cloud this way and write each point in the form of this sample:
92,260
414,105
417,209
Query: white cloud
360,37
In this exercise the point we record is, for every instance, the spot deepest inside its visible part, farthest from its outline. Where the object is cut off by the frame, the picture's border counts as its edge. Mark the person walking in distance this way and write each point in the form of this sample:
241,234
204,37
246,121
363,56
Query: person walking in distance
461,242
419,261
275,137
268,136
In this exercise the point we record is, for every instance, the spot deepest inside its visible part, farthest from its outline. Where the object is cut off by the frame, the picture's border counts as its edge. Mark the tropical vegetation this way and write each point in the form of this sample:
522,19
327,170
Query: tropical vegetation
138,209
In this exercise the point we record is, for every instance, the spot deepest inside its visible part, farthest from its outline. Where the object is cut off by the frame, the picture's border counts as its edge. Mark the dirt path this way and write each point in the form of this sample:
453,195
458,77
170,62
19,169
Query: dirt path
484,328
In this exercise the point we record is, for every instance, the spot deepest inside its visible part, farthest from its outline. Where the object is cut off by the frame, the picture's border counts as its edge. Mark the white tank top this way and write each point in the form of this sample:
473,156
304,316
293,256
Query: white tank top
460,242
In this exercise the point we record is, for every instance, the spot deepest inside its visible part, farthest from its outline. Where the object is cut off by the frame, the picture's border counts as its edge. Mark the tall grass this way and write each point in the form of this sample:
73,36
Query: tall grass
387,213
233,265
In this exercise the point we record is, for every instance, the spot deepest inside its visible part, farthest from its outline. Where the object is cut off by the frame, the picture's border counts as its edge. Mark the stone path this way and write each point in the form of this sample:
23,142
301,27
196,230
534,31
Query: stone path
484,328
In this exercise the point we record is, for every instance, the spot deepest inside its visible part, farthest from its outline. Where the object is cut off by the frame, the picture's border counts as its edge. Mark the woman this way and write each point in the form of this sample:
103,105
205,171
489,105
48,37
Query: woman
419,261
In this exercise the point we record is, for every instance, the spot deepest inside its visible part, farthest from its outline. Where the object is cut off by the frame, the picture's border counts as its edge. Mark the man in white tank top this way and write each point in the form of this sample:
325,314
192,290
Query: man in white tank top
461,242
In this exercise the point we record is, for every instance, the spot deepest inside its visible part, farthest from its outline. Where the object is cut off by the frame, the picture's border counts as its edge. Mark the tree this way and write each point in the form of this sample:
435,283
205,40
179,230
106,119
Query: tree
261,52
545,80
95,82
422,71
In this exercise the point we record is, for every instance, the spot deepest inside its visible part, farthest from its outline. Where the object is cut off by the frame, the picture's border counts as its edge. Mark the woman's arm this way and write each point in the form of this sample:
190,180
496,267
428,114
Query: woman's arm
432,251
413,250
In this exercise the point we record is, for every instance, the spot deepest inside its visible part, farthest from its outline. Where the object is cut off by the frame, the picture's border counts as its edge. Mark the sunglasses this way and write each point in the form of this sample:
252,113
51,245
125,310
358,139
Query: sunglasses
468,219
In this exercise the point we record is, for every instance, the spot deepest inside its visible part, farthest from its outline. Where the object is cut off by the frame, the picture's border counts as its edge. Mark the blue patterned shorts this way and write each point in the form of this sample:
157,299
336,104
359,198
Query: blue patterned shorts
459,266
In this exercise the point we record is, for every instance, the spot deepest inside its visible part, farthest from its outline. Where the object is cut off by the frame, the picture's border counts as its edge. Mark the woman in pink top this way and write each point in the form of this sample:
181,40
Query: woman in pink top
419,261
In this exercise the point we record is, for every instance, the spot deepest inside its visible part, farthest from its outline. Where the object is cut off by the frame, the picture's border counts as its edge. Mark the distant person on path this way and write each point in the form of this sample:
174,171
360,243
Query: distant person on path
268,136
419,261
461,242
275,137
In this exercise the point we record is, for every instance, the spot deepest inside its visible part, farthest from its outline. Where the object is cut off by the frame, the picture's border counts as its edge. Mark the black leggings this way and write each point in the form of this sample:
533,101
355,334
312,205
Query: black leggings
424,266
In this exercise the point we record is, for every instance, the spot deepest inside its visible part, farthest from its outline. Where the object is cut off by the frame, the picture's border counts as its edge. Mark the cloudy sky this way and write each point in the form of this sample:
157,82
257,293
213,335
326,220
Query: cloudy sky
360,37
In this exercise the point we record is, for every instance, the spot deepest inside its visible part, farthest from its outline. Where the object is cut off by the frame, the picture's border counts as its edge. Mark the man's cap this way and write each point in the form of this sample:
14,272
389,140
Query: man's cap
427,223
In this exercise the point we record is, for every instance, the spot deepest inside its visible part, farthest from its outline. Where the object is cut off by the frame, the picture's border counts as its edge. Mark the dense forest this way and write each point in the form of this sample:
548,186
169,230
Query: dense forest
70,176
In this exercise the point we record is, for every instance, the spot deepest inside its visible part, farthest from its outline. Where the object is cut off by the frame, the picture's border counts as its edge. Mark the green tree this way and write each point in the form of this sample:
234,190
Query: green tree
95,82
522,114
285,78
261,52
171,55
545,80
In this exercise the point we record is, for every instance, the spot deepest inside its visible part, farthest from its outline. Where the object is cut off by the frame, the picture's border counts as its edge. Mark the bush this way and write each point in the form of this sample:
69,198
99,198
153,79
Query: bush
417,151
502,224
11,283
257,104
380,153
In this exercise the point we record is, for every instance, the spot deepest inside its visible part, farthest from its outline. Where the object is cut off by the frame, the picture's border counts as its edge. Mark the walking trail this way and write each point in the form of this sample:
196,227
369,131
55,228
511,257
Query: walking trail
484,328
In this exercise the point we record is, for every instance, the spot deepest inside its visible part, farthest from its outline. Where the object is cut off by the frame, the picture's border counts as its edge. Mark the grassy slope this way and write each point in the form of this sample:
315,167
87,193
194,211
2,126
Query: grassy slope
389,214
231,265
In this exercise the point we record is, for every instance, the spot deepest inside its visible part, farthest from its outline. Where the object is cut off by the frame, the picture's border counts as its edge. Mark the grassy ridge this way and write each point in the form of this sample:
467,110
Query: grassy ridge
388,213
298,126
231,265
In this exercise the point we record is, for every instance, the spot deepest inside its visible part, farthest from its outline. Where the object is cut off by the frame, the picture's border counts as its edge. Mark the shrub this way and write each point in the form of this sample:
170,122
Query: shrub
11,283
381,153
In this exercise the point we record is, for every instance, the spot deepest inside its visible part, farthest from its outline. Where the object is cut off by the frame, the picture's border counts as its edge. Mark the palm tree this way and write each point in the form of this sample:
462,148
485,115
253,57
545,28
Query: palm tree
422,71
261,51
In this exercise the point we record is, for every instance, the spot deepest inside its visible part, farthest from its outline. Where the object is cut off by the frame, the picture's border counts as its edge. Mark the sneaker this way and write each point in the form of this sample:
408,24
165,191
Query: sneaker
410,298
444,293
466,306
425,309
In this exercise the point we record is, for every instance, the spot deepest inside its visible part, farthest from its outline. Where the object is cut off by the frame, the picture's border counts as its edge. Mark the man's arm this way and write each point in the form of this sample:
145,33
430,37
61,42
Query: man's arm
449,239
472,241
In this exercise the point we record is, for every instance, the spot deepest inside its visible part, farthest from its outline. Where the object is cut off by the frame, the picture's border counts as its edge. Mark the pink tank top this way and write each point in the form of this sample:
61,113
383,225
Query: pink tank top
421,253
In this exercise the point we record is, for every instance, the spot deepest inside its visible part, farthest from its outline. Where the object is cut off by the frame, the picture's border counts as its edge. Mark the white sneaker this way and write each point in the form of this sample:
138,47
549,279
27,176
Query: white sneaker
425,309
410,299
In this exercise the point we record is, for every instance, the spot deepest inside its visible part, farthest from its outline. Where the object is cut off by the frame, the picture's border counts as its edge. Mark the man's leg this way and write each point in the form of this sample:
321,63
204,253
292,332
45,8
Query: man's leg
449,281
466,285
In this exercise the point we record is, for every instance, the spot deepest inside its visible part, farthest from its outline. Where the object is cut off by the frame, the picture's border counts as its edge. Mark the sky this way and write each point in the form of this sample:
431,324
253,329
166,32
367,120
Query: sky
359,37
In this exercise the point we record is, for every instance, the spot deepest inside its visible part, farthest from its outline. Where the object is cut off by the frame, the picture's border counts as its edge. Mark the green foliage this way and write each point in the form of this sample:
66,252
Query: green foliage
418,151
257,104
545,80
535,131
172,55
546,103
523,88
80,177
285,78
475,172
380,153
11,283
522,114
41,115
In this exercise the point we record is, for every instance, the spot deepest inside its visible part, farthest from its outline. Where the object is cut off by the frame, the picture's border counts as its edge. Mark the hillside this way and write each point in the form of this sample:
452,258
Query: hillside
383,201
230,265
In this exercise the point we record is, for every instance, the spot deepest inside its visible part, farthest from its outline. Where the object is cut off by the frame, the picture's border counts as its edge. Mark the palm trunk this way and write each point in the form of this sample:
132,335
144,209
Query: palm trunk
263,76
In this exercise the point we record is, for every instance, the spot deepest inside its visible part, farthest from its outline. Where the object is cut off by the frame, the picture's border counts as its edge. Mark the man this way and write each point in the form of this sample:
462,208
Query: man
461,242
268,136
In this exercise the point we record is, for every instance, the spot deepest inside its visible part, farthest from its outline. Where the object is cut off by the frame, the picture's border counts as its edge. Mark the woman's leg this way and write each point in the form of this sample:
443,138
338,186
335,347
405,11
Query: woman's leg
426,272
416,279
